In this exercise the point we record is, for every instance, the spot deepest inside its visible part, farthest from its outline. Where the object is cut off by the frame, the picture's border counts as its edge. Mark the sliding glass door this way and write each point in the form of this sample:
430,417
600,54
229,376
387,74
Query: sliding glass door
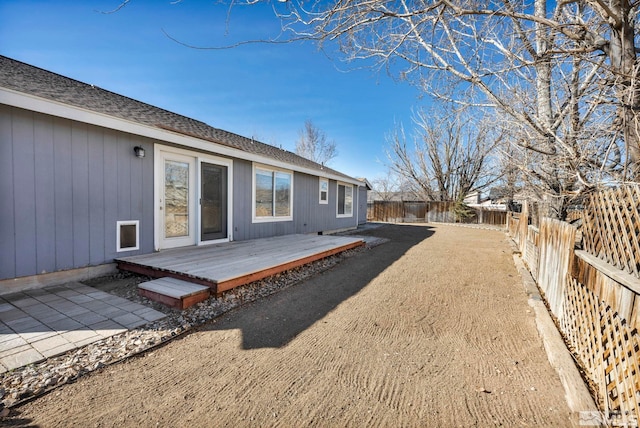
213,201
193,202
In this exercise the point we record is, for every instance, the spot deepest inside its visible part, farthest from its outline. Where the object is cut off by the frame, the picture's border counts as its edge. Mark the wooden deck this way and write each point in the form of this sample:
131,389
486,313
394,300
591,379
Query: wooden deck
225,266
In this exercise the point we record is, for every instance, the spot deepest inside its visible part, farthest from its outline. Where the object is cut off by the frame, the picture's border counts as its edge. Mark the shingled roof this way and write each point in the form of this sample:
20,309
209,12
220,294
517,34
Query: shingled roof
25,78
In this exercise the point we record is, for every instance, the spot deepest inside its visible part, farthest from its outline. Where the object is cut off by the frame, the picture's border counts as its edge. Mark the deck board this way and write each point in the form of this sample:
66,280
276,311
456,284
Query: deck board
172,287
174,292
228,265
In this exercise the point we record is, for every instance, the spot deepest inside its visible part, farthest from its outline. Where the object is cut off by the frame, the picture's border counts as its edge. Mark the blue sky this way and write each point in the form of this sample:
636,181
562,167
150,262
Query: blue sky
265,91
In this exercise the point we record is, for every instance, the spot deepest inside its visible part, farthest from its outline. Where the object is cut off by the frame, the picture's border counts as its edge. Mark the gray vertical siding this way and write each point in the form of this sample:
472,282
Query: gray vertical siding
97,239
345,222
362,204
309,216
303,214
7,219
80,193
146,199
243,226
110,180
24,195
65,184
45,193
63,187
63,181
241,200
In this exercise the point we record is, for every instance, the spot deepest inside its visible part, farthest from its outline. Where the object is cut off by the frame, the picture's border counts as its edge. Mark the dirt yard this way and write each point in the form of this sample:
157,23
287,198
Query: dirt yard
429,329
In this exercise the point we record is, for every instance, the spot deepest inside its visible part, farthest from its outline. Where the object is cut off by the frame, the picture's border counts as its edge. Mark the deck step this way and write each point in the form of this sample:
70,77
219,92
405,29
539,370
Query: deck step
174,292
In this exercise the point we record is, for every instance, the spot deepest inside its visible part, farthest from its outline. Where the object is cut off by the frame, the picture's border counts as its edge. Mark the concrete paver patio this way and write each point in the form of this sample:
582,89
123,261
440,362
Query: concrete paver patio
45,322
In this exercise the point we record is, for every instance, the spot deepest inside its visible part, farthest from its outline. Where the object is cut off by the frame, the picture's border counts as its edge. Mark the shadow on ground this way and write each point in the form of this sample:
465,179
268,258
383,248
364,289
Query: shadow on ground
274,321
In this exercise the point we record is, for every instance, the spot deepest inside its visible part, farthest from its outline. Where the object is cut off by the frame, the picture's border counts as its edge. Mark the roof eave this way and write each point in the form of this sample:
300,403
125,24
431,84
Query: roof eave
53,108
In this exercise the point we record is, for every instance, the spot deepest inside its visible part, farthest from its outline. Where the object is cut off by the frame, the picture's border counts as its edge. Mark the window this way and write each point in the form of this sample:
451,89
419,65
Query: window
272,194
324,191
345,200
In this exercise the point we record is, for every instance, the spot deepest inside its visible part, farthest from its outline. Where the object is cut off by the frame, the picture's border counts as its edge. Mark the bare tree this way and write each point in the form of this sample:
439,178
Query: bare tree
565,74
493,54
386,186
447,158
510,163
313,144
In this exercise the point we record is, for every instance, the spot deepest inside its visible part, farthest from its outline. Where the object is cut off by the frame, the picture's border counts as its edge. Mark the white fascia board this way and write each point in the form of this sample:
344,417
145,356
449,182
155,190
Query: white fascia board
54,108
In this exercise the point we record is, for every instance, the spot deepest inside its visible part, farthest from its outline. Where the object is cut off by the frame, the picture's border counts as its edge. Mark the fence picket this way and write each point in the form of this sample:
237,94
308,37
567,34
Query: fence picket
595,294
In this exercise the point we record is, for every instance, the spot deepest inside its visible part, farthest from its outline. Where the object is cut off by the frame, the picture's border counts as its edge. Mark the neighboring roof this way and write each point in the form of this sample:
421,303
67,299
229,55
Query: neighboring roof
365,182
20,77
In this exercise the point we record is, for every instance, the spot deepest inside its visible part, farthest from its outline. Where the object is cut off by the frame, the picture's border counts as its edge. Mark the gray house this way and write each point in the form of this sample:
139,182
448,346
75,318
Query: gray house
87,175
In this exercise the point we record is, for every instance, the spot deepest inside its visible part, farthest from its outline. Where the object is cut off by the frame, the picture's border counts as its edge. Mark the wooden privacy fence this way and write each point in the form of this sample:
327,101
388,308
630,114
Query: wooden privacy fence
385,211
594,293
431,212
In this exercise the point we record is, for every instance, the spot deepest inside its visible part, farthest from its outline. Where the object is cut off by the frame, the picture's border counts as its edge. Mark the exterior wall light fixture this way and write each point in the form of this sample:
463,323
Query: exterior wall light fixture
139,150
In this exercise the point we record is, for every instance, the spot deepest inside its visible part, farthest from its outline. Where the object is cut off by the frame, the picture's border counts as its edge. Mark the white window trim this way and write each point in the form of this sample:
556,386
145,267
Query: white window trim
157,191
326,200
271,219
135,223
338,184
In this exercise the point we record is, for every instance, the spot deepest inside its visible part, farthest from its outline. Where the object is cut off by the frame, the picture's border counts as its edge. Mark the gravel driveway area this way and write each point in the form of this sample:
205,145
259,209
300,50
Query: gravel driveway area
431,328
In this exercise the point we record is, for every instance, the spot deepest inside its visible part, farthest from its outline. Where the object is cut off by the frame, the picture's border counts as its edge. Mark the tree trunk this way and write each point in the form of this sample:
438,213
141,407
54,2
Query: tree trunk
622,52
549,166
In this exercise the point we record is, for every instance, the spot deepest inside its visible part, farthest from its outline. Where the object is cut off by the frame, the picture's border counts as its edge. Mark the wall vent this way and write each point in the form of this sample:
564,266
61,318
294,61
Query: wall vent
127,235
